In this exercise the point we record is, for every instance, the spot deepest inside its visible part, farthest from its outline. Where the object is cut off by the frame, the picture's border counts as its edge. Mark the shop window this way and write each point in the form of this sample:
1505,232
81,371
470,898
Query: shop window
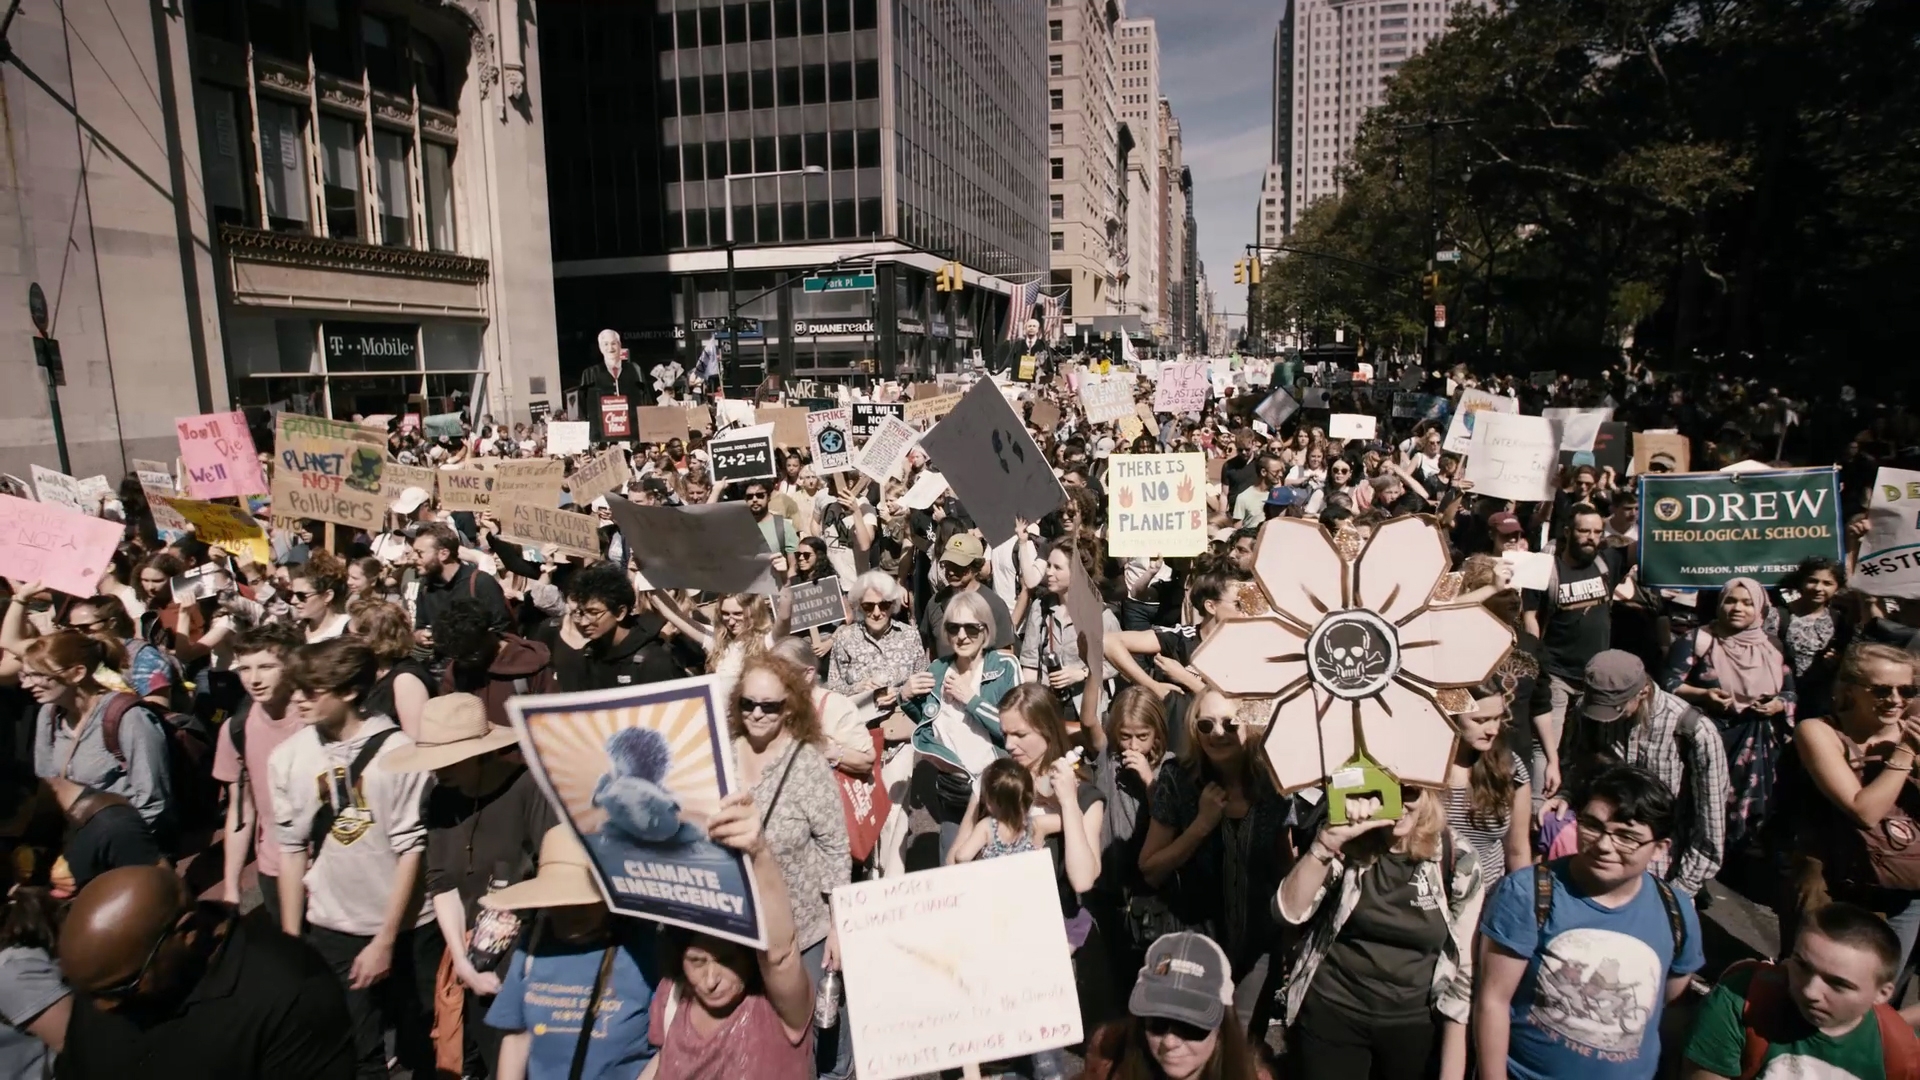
340,178
390,176
439,184
283,165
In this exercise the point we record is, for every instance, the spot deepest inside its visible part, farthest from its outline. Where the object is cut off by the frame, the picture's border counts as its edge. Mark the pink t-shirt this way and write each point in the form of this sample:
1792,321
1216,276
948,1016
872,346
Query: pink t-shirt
263,734
750,1043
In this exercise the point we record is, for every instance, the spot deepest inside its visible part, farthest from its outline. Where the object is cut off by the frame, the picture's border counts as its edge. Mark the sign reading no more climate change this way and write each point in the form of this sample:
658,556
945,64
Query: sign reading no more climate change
1698,530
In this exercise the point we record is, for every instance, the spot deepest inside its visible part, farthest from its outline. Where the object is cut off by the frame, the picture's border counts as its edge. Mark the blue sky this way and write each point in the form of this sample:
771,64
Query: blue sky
1216,69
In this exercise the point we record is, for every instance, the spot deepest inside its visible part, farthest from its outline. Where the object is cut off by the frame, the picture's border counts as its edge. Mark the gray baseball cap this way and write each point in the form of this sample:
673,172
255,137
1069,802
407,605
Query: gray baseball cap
1613,679
1187,978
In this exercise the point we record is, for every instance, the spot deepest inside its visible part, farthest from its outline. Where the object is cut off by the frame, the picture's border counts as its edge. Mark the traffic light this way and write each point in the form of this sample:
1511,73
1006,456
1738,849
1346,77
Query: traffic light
1430,286
1253,271
1239,271
949,278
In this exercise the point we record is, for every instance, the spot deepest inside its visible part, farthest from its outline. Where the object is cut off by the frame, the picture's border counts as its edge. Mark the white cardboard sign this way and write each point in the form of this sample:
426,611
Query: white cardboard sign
1578,427
1890,556
566,437
1472,404
59,489
1352,426
885,448
1513,456
831,433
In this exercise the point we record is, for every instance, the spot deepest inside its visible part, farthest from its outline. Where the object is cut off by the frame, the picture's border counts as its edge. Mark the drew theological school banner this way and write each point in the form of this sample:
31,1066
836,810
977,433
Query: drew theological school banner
1698,530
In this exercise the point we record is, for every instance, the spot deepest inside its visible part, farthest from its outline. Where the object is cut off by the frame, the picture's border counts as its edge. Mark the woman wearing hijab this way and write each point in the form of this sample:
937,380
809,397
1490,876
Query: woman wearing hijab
1738,676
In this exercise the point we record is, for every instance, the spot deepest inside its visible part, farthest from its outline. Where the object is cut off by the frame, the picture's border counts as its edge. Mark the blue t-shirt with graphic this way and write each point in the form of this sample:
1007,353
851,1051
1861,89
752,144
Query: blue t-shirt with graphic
550,999
1589,1005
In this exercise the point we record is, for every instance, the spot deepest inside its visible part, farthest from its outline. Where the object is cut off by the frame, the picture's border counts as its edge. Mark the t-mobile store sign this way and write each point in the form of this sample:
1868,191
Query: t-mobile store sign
376,346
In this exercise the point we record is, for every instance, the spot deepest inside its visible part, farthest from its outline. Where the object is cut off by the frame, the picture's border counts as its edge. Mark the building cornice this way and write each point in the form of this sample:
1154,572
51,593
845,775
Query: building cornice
301,249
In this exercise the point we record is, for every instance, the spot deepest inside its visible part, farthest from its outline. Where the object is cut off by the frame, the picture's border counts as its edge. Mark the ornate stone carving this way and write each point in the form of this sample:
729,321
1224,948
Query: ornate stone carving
486,70
320,252
278,77
438,122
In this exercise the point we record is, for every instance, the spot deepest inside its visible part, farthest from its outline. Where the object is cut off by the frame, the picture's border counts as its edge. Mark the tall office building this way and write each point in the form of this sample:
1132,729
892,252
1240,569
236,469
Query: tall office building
902,136
1175,184
1273,217
1083,149
1140,111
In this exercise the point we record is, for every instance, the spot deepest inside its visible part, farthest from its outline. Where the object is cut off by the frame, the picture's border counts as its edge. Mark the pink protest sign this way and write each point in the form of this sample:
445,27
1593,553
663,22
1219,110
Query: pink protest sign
55,546
217,457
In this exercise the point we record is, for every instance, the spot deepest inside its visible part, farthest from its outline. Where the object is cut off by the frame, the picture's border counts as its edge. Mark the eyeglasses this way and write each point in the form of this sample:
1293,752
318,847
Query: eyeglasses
593,614
30,675
1207,724
876,605
1591,830
764,708
1185,1032
85,627
299,597
965,629
1885,692
126,989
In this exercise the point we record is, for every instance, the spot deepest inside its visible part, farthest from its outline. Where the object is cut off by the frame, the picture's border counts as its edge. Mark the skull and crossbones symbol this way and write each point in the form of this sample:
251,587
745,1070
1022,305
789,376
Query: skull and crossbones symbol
1352,655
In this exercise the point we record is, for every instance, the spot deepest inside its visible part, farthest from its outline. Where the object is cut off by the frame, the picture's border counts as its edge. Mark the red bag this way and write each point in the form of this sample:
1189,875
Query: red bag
865,803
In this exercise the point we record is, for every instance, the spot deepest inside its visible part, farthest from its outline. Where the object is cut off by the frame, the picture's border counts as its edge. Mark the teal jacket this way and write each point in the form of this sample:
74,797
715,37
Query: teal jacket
999,674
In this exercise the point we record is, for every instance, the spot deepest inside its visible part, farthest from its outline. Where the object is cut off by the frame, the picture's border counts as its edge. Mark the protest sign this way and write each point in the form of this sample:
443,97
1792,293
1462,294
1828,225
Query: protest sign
948,967
217,457
831,433
95,490
700,419
1352,426
1182,388
636,773
1156,505
1513,456
63,549
329,471
1531,569
741,455
818,603
203,582
925,490
1699,530
1578,427
396,478
230,527
468,487
1045,416
714,547
1661,452
158,488
141,465
992,463
1275,410
1107,398
1411,406
1311,397
534,525
59,489
731,413
616,418
534,482
1610,445
1890,555
660,424
566,437
599,475
869,415
446,425
929,408
789,425
1460,430
888,444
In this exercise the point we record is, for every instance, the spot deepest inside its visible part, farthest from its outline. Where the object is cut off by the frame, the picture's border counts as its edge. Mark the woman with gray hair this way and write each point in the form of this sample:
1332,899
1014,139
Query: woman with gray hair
877,652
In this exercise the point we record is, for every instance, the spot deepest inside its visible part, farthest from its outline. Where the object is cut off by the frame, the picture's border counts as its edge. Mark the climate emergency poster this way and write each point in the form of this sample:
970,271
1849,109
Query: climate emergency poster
1698,530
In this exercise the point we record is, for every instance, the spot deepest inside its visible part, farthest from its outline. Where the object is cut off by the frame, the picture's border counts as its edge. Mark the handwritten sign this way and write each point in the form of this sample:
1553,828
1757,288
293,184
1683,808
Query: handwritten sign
1156,505
1513,456
328,471
743,455
948,967
536,483
1472,403
1352,426
662,423
831,433
600,475
1890,555
930,408
468,487
396,478
534,525
158,488
1107,398
566,437
229,527
1183,388
1661,451
217,458
59,489
141,465
885,448
818,603
63,549
993,464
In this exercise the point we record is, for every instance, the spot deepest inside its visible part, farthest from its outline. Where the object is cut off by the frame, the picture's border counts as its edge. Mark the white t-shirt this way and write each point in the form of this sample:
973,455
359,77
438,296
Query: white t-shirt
966,737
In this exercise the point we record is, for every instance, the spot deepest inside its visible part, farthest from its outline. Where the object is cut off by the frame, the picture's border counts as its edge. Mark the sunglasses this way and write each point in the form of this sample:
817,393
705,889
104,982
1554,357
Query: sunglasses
300,597
1185,1032
1885,692
764,708
875,605
965,629
1206,725
803,554
126,988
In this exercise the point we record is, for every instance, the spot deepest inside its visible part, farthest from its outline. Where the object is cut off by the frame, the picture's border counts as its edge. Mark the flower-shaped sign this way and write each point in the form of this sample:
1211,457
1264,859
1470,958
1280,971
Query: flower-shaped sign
1354,651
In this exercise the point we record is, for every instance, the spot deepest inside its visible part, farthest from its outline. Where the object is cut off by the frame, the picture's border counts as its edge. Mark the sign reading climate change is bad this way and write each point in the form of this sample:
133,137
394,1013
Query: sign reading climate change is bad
328,470
1156,505
637,773
1697,530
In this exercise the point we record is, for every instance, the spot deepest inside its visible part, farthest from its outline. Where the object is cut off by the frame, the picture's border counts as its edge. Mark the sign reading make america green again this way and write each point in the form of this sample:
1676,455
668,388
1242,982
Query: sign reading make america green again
1698,530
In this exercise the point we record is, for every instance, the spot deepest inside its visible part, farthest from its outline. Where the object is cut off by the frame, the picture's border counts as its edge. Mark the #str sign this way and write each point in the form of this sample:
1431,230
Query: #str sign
1698,530
1156,505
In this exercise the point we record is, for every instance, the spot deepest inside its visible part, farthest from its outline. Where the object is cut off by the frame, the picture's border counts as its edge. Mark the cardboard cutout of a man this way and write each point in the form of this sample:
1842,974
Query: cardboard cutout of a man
1014,360
614,375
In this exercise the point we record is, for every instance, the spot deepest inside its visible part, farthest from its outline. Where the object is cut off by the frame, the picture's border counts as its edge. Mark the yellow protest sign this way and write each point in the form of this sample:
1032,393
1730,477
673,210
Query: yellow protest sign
328,471
1156,505
231,527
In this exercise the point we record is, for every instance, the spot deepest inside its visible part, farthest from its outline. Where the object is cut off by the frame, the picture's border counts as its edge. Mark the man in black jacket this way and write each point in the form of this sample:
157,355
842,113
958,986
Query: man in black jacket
621,647
443,578
613,375
1032,345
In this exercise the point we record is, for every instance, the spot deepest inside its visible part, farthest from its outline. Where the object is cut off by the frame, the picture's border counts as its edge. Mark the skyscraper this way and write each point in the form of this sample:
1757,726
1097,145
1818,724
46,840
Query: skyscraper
1140,111
1273,216
1083,137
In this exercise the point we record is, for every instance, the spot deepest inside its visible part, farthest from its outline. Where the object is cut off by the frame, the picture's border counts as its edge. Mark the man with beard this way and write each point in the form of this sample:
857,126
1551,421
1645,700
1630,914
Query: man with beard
165,987
1573,615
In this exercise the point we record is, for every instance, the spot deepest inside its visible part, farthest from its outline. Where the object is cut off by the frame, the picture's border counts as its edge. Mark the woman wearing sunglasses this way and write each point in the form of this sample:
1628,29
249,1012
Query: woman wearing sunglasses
955,707
878,652
1859,762
318,593
1218,844
1180,1022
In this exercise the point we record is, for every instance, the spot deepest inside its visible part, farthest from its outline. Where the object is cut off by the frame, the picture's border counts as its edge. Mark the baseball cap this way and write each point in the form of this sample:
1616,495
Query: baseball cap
1505,523
1613,678
409,500
963,549
1186,978
1281,496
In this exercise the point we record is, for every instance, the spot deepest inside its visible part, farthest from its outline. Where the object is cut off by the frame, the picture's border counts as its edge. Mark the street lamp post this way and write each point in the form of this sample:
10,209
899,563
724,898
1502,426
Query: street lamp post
730,367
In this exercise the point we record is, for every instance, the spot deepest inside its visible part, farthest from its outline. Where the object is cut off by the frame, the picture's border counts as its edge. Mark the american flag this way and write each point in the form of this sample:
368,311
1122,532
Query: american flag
1020,308
1050,318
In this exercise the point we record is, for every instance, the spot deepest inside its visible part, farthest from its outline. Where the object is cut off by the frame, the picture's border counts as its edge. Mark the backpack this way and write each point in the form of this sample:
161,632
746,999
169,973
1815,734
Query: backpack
323,817
194,796
1543,905
1768,1006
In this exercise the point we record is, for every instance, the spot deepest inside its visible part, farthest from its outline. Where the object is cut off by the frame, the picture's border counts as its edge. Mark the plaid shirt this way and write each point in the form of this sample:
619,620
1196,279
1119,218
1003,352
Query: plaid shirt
1683,749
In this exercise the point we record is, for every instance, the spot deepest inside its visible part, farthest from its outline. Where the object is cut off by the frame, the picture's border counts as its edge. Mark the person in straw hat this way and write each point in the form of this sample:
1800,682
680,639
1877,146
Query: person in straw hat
485,819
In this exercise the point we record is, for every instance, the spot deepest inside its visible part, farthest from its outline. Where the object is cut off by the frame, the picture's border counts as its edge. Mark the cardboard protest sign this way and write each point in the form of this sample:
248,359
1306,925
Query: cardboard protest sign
818,603
468,487
930,408
1578,427
1107,398
1890,555
1661,452
1045,416
1513,457
888,444
396,478
230,527
744,455
158,488
598,476
713,548
141,465
1472,402
217,457
64,549
1411,406
636,773
789,425
1156,505
1531,569
1352,426
1701,529
700,419
869,415
925,491
986,454
536,482
534,525
948,967
830,431
1275,410
96,490
662,423
1610,448
1183,389
329,471
59,489
566,437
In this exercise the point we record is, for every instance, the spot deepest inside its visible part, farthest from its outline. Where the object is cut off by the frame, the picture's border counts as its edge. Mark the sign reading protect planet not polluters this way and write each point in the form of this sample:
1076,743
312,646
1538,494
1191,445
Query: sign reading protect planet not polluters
1355,645
1156,505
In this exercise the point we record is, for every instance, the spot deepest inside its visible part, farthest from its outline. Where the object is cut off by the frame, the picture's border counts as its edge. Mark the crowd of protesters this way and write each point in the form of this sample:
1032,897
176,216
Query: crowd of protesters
286,829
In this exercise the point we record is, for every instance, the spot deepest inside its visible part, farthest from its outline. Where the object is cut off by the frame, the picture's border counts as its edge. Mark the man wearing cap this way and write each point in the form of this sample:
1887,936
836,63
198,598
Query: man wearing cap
1283,502
1506,532
1624,716
961,560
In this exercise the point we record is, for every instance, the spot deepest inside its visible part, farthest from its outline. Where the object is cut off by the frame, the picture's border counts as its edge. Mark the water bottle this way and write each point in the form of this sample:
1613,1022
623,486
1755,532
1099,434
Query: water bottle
826,1003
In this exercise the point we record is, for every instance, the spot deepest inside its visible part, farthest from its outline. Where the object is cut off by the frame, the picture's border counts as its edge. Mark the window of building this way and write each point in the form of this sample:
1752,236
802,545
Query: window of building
840,81
1058,168
331,42
1056,134
438,170
1056,99
1056,30
340,177
390,177
1059,241
866,79
813,84
812,20
1057,207
786,18
223,162
380,44
283,165
1056,64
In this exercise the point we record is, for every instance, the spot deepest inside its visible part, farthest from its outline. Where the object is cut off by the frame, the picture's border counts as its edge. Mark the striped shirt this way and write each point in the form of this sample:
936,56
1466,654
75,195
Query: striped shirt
1488,839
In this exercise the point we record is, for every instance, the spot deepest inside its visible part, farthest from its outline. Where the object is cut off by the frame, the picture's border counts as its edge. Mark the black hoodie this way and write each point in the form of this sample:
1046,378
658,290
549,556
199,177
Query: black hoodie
645,656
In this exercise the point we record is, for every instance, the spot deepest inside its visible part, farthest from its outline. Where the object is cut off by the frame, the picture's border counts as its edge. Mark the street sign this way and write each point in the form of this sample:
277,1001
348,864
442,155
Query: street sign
46,353
862,282
37,307
1449,255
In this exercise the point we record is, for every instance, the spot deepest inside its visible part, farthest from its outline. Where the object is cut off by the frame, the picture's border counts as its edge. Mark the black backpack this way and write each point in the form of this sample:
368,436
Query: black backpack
194,796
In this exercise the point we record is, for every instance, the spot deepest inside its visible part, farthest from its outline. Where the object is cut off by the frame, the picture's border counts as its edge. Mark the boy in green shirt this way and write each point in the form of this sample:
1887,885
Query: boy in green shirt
1821,1013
